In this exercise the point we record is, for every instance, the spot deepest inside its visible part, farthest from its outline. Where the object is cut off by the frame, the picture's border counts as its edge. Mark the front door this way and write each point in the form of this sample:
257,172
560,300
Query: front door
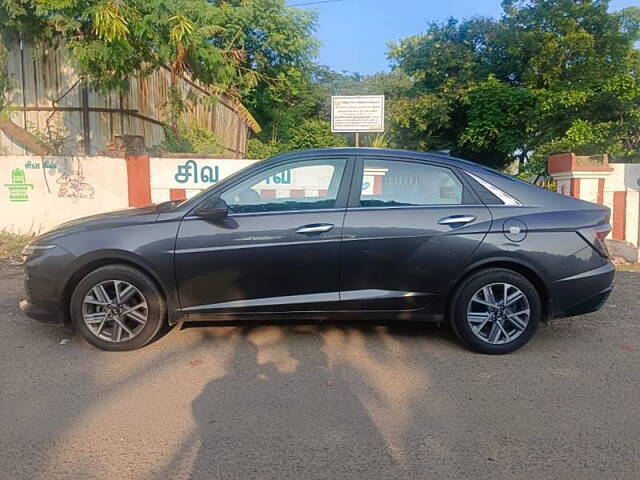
278,250
410,227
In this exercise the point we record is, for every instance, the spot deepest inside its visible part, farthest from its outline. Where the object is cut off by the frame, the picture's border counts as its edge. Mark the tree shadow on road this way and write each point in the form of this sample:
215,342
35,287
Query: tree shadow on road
290,418
292,405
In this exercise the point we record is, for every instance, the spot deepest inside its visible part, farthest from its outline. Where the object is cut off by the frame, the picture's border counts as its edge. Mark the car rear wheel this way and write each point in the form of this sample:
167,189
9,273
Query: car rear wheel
496,311
117,308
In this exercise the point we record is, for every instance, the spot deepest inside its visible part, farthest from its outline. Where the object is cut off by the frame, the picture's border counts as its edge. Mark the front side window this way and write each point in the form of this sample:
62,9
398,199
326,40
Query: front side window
301,185
394,183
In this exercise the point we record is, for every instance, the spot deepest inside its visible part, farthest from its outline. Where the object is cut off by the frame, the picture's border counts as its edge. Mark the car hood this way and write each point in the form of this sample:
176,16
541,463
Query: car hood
116,218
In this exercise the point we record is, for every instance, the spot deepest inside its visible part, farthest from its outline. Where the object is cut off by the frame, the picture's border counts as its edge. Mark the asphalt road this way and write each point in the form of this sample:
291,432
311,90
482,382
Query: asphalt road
329,401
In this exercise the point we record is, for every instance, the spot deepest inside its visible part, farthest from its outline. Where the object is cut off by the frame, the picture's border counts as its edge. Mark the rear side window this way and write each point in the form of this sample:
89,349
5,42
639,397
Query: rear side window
391,183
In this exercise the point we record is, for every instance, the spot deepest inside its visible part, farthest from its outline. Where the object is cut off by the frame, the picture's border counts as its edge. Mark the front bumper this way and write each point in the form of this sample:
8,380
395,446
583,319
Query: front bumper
43,313
45,275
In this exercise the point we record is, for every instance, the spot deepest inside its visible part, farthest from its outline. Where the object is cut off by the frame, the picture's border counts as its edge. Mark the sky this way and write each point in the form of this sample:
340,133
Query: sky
354,32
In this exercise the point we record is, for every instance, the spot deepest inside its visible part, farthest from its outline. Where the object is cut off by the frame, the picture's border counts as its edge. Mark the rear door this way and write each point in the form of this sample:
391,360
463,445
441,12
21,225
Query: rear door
410,227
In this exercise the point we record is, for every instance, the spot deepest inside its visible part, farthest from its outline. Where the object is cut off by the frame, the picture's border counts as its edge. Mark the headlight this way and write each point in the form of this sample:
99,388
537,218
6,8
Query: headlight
31,251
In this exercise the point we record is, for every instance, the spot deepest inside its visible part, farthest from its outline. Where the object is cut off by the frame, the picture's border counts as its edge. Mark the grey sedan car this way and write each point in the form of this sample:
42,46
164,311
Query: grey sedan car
331,234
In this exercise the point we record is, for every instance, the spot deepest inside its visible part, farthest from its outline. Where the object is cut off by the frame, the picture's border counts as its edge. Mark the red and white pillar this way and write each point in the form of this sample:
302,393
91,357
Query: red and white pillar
595,180
138,180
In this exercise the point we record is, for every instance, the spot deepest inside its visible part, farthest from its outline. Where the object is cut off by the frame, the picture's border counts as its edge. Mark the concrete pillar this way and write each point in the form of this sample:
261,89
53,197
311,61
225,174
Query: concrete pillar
580,177
616,186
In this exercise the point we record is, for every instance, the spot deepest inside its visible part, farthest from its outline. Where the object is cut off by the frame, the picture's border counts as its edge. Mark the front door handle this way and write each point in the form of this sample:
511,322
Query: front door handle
316,228
457,220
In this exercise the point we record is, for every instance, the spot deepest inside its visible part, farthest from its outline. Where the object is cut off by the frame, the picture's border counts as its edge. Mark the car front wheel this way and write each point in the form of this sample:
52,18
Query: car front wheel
496,311
117,308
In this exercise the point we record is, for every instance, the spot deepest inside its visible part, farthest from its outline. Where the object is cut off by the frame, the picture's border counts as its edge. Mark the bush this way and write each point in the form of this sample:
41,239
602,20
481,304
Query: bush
310,133
190,139
314,133
257,149
11,245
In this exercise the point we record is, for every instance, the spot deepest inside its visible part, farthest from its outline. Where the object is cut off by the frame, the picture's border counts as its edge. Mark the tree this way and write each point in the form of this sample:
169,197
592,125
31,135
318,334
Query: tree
548,76
236,46
498,121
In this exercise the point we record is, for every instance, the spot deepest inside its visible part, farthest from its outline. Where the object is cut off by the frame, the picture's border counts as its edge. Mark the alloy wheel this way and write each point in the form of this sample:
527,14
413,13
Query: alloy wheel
115,311
498,313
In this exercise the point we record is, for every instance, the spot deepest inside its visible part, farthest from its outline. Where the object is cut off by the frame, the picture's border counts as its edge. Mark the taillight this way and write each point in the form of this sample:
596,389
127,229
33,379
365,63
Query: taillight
595,236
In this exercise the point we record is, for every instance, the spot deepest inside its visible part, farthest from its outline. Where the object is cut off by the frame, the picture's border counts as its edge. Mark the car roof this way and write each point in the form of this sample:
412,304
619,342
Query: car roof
387,152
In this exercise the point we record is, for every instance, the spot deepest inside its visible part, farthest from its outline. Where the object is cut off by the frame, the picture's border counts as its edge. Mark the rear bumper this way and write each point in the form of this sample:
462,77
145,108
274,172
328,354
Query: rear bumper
583,293
592,304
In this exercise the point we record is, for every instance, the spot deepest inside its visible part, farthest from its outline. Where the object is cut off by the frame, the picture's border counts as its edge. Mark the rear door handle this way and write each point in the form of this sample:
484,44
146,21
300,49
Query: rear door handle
457,220
316,228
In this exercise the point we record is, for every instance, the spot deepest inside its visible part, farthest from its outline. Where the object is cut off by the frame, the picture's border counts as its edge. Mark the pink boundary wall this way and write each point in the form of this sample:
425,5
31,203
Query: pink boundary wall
616,185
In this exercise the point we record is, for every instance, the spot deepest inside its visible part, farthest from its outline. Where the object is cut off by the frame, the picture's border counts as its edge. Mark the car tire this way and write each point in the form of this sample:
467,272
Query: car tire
475,327
117,330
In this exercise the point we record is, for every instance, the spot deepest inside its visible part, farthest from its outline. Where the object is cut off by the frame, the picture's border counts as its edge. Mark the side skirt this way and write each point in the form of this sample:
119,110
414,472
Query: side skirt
372,316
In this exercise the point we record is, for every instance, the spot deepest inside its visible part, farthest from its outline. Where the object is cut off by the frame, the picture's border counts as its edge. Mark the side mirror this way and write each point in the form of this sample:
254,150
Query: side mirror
214,210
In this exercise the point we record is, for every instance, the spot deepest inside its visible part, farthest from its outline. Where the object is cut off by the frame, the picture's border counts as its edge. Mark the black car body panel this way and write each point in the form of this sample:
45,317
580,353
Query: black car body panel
261,263
379,260
399,259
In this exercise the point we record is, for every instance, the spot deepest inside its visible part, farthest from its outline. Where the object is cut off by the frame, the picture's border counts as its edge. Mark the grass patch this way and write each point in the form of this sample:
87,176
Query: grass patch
11,245
628,267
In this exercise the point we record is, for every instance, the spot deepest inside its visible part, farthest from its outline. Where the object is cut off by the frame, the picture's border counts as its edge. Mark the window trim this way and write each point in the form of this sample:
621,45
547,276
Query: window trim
358,174
504,197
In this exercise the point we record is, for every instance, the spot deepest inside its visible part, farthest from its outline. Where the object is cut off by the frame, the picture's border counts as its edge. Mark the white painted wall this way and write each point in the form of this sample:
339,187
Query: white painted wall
563,186
58,189
624,176
589,189
632,222
193,175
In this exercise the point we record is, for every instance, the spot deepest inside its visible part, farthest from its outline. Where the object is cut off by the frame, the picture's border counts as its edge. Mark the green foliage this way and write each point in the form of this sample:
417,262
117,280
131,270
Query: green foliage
52,137
314,133
257,149
109,23
380,140
549,76
313,100
309,133
190,139
258,50
497,124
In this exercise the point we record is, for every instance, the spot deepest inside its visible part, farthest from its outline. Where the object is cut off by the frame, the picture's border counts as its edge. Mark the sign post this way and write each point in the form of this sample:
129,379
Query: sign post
356,114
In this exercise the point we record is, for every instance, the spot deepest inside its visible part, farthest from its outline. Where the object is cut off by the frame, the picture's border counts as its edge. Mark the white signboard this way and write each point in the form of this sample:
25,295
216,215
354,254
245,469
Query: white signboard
361,113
